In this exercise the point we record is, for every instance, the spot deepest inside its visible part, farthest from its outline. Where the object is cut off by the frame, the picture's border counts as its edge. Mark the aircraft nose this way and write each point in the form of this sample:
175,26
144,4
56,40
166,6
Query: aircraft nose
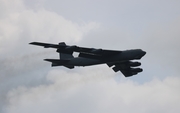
143,53
139,54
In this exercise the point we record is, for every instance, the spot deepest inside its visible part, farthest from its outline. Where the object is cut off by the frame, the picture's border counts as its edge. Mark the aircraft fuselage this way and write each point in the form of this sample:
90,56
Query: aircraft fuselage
118,60
123,56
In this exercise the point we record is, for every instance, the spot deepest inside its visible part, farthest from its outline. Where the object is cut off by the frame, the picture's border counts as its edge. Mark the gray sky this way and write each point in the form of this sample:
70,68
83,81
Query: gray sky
28,84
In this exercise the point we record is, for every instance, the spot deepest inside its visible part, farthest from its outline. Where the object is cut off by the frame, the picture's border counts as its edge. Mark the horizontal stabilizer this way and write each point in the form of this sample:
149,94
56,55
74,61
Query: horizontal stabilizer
57,61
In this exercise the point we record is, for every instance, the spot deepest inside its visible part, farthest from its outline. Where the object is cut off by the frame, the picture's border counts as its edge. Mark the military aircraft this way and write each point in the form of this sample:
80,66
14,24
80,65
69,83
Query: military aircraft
118,60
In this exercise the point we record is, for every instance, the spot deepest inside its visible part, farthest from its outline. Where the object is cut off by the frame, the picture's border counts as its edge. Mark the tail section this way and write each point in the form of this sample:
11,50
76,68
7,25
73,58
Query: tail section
65,57
65,54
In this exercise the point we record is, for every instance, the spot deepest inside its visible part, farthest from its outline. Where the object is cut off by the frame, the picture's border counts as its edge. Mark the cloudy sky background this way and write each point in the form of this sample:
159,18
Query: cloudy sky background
30,85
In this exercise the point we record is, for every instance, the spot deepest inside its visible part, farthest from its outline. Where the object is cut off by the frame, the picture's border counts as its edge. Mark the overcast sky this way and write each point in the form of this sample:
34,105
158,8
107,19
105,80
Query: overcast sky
30,85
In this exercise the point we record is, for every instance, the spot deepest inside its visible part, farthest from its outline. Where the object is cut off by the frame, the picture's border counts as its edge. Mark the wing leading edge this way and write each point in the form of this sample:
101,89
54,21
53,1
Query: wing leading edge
62,47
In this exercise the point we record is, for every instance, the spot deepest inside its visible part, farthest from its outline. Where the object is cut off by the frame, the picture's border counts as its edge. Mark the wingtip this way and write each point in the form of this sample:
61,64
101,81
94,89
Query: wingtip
46,60
36,43
32,43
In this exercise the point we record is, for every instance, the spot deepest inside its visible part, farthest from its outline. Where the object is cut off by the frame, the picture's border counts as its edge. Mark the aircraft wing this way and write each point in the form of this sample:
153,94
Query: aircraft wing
47,45
126,67
62,47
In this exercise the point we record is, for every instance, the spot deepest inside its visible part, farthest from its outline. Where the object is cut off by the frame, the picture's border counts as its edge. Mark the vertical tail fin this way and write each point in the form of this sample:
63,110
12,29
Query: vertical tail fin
65,54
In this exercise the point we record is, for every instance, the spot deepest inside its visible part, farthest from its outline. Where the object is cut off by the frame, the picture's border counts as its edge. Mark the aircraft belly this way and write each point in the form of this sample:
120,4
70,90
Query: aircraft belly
83,62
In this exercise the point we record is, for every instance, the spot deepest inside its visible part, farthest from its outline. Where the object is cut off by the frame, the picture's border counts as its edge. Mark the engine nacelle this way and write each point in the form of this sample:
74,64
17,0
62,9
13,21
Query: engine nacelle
136,70
134,64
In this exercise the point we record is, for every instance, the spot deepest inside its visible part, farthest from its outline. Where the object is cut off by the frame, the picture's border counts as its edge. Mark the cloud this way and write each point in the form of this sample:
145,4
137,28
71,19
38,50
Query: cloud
158,39
25,25
74,92
20,63
27,84
161,42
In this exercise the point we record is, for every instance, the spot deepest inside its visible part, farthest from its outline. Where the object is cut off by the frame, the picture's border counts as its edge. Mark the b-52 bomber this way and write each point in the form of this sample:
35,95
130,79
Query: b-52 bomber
118,60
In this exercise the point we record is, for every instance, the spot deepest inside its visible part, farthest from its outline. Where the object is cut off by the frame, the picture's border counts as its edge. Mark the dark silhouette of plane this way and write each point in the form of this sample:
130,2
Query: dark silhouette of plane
120,60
